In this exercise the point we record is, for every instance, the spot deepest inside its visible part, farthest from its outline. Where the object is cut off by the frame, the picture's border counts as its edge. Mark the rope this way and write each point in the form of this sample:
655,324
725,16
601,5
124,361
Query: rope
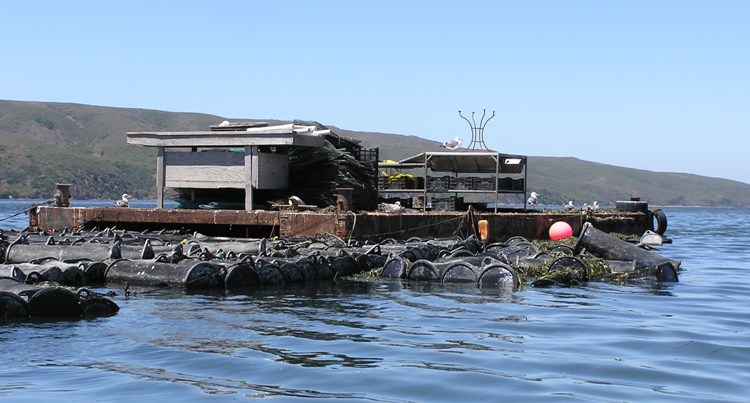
415,228
472,216
50,201
276,221
354,225
332,217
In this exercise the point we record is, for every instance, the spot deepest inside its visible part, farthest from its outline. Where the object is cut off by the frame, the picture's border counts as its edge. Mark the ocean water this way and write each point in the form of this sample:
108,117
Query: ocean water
394,341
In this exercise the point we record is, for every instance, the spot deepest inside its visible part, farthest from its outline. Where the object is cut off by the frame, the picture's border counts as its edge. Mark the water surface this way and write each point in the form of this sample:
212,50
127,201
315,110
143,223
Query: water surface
395,341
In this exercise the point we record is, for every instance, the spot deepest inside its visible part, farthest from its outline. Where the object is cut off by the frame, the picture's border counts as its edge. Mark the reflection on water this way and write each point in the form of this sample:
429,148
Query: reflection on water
390,340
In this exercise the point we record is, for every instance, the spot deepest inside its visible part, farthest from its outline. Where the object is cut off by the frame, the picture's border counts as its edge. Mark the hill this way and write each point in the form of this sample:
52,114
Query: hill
44,143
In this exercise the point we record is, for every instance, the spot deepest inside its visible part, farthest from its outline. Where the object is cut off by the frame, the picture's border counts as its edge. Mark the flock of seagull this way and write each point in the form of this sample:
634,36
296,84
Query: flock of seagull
534,200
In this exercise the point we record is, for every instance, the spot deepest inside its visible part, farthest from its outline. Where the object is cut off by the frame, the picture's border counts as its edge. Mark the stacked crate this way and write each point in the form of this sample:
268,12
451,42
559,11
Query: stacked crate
382,182
444,203
505,183
368,154
461,183
484,183
438,183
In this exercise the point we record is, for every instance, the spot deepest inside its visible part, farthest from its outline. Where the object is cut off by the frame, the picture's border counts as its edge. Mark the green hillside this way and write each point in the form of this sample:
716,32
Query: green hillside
44,143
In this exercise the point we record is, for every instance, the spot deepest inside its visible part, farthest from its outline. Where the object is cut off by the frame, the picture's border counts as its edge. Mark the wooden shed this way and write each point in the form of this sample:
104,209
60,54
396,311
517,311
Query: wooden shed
246,156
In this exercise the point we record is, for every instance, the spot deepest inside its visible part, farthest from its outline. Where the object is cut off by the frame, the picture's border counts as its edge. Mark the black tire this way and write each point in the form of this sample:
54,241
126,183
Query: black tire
661,221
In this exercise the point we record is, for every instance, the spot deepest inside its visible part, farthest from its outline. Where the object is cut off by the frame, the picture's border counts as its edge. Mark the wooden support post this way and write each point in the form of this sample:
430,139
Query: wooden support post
344,199
160,178
250,151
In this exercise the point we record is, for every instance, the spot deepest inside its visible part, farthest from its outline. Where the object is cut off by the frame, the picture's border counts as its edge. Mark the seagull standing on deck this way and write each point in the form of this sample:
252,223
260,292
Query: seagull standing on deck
295,201
391,207
123,202
532,199
453,144
569,206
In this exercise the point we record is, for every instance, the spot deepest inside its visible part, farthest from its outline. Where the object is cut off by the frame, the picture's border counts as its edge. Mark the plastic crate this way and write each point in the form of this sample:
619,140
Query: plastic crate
438,183
382,182
505,183
461,183
443,203
400,183
484,184
368,154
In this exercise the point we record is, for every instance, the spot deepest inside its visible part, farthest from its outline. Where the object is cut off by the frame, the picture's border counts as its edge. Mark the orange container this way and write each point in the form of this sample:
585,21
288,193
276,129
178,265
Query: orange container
484,230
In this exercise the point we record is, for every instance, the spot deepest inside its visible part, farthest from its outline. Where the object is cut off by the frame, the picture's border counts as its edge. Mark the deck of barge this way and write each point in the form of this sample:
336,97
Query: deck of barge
364,226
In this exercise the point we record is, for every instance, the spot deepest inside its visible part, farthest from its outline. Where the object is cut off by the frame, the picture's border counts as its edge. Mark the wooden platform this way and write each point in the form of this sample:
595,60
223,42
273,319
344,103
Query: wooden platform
364,226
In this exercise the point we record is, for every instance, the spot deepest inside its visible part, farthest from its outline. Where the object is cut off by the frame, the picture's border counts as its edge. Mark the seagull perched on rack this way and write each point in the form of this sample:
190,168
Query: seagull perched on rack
532,199
452,144
569,206
123,202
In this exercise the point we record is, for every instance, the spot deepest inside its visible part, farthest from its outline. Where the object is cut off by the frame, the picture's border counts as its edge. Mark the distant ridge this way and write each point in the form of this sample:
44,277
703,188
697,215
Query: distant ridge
43,143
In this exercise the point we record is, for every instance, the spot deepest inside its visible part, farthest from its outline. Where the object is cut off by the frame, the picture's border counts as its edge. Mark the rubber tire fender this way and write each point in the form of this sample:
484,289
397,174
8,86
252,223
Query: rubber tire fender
661,221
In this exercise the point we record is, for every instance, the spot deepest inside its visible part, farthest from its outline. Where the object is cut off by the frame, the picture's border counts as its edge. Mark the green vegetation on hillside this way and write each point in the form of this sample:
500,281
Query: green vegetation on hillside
44,143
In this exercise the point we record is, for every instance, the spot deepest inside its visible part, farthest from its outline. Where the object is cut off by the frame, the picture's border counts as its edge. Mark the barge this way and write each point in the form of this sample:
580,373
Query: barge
240,179
361,226
244,223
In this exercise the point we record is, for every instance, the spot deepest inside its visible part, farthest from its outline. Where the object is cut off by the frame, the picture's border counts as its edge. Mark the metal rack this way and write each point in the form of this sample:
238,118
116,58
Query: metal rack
462,162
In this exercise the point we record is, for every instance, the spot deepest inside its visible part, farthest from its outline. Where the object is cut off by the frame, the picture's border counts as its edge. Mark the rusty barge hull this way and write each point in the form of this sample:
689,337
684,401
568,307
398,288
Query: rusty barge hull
363,226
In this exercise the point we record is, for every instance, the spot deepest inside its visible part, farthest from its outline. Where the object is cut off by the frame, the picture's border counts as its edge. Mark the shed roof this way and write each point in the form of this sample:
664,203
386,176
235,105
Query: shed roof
287,134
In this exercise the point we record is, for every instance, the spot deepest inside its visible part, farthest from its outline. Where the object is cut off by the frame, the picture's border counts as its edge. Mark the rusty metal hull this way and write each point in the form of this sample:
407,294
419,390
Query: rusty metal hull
363,226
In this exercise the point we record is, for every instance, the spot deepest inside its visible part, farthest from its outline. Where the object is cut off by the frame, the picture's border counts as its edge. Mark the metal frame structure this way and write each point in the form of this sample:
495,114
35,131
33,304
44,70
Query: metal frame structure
488,162
477,131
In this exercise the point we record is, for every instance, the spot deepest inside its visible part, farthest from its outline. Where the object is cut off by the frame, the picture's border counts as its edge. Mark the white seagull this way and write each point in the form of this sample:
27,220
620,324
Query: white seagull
453,144
590,207
295,201
569,206
123,202
391,208
533,198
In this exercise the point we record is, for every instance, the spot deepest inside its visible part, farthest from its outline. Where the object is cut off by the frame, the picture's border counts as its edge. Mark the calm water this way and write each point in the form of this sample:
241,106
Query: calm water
392,341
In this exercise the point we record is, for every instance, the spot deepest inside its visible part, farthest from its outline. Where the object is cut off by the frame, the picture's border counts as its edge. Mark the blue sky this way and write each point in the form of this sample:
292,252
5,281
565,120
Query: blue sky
656,85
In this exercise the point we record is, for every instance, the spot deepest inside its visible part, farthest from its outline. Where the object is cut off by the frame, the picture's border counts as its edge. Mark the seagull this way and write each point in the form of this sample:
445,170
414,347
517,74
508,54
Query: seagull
392,208
533,198
650,239
569,206
123,202
590,207
453,144
295,201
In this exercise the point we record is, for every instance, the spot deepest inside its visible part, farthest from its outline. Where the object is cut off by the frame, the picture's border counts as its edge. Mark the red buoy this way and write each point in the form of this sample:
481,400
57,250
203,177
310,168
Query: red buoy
560,230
